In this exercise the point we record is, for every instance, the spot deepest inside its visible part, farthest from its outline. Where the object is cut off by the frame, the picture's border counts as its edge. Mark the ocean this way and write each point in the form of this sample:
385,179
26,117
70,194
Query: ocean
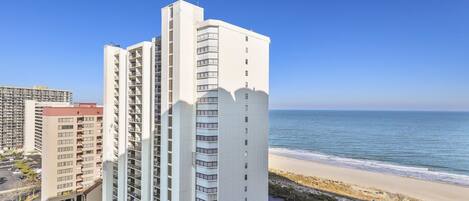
424,145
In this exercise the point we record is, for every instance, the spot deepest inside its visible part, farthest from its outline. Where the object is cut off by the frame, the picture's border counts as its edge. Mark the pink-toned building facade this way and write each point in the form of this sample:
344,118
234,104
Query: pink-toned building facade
71,149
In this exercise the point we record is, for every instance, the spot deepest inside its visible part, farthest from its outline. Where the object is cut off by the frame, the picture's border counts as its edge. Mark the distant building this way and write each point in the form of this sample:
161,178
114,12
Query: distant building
33,123
71,149
186,115
12,110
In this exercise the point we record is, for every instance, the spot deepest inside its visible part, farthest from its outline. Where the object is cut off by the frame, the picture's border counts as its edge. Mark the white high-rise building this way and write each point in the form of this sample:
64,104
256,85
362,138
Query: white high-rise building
186,115
33,123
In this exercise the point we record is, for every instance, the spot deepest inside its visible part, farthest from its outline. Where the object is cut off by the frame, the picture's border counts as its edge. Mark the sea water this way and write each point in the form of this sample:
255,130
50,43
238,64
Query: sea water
424,145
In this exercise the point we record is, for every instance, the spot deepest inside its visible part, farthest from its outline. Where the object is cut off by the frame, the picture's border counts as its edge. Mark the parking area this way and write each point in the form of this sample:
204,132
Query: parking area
10,176
8,180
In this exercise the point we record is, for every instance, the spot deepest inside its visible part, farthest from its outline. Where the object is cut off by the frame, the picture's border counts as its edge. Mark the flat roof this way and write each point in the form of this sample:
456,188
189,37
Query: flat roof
42,88
77,110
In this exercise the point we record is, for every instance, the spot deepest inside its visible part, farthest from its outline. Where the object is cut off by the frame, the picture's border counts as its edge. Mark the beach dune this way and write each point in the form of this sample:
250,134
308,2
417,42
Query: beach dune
419,189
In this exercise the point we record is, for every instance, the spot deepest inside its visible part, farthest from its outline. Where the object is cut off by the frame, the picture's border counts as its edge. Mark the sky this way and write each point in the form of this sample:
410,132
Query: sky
324,54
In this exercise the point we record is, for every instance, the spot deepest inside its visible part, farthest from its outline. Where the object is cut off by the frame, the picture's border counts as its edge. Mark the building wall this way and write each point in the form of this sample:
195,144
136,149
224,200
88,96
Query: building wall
33,123
72,149
243,117
177,177
29,125
115,119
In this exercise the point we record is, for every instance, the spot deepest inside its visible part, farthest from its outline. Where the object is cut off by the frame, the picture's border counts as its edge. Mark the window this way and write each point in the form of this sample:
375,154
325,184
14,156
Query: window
246,61
88,145
63,127
64,163
245,165
247,39
246,96
64,178
210,74
64,142
207,125
65,134
246,73
89,118
247,50
65,120
64,156
206,177
207,36
245,177
206,49
88,165
206,151
246,130
91,138
206,164
206,190
207,112
246,85
246,142
246,108
245,119
207,100
206,138
64,149
65,171
65,185
88,158
206,62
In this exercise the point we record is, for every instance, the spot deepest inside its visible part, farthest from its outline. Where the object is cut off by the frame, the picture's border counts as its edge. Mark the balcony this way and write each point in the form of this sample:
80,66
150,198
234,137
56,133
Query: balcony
137,102
135,84
134,120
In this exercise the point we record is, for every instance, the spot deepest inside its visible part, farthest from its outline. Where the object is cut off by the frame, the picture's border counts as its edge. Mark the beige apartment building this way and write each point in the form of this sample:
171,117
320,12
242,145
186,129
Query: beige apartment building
71,150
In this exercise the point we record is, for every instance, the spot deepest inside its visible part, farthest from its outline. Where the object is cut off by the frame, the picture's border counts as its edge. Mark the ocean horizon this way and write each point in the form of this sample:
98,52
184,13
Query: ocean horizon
428,145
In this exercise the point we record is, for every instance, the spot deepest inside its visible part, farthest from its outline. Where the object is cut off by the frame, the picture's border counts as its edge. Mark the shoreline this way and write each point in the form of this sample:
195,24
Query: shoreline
415,188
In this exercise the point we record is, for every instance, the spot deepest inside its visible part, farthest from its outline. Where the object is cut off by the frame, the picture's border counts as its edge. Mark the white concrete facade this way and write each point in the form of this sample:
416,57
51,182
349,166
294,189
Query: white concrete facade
208,113
33,123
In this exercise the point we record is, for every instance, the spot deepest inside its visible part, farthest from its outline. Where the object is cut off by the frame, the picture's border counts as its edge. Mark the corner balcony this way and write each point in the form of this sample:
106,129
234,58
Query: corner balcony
207,183
207,157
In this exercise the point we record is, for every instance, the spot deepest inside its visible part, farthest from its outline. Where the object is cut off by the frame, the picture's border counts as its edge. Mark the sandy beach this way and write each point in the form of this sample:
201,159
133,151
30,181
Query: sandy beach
419,189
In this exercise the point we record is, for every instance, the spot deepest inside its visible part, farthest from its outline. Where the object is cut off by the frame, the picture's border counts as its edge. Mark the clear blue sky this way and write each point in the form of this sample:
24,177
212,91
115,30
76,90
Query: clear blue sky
325,54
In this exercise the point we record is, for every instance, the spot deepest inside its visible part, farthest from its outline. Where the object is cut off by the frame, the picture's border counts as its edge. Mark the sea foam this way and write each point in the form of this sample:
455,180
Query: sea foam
375,166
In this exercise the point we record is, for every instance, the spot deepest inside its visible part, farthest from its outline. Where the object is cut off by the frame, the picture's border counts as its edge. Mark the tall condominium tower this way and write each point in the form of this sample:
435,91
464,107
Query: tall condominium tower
12,111
186,115
71,150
